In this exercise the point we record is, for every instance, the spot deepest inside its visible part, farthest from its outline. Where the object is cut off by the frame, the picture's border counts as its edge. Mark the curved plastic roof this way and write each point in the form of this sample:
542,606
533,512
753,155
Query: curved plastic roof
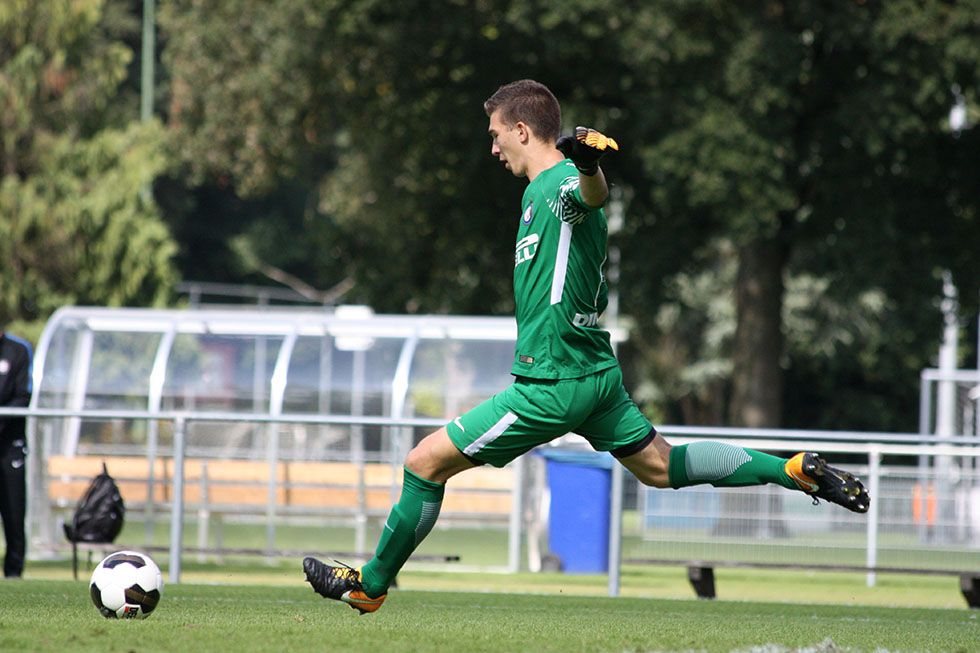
268,361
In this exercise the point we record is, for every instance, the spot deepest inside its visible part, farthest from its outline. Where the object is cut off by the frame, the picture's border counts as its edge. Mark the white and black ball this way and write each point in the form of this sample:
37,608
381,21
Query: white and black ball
126,584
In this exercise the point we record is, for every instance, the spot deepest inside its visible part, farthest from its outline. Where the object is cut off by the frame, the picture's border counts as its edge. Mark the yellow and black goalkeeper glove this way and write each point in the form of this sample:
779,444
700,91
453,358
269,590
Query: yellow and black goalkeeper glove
586,148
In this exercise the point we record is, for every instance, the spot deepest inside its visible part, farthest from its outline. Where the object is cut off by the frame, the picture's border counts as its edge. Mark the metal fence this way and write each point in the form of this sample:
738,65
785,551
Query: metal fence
925,511
171,478
924,515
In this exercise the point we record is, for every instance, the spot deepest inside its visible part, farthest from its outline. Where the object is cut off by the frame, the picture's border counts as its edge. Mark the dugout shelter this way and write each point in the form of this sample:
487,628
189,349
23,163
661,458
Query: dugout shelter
234,371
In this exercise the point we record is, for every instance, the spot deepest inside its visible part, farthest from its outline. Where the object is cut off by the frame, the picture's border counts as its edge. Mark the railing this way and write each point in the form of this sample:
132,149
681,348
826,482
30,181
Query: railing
923,517
39,507
870,447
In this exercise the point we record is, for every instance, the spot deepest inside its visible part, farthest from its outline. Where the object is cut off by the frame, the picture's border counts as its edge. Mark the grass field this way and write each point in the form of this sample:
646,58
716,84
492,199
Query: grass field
487,548
56,615
253,604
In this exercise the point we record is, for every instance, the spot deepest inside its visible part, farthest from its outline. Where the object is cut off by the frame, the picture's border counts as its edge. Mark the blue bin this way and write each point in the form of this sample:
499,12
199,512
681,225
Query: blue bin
578,521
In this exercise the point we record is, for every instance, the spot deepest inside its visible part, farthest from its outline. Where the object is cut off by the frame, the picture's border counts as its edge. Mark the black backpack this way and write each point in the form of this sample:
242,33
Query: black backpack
99,515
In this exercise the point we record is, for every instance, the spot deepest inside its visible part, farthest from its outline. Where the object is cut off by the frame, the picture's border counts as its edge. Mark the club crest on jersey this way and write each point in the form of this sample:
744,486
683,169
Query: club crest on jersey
528,213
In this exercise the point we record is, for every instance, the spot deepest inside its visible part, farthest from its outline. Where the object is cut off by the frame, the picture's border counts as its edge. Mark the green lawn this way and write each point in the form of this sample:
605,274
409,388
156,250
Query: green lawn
251,603
56,615
488,548
891,590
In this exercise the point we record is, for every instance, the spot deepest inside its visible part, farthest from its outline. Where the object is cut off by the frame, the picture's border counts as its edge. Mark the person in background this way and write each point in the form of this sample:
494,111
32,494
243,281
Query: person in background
15,392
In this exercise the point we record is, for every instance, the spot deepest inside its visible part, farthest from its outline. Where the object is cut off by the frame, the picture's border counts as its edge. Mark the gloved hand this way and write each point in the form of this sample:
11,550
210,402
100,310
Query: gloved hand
586,148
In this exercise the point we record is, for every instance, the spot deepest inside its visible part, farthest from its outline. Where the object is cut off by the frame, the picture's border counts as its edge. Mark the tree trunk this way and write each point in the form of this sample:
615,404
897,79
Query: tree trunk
757,381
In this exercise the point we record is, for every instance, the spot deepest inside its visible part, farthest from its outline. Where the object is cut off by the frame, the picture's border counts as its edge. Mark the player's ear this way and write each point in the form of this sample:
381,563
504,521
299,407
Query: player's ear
523,132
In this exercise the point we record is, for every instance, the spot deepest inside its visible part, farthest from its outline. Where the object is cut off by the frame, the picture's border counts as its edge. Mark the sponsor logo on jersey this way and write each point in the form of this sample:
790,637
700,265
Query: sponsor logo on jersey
526,248
4,366
528,213
526,359
582,320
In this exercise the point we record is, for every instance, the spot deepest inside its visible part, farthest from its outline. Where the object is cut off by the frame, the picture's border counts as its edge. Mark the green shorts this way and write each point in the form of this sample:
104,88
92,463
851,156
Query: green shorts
531,412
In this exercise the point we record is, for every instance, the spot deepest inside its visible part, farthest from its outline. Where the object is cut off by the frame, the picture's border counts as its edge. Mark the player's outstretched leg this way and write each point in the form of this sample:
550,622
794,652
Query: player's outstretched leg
820,480
725,465
341,583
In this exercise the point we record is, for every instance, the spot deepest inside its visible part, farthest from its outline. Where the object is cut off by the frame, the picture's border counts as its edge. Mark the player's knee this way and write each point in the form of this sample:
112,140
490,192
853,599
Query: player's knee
416,461
652,475
651,465
657,479
652,471
436,458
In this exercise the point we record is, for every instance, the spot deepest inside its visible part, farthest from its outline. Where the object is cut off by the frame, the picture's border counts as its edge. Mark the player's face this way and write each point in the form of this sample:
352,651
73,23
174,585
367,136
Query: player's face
507,144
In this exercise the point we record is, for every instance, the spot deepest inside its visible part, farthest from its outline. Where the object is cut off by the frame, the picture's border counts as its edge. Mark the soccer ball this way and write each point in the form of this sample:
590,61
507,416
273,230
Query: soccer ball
126,584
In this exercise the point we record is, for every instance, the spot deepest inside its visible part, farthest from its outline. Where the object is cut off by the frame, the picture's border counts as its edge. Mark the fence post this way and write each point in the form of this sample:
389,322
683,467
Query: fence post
203,513
152,440
516,515
615,528
177,507
874,475
272,487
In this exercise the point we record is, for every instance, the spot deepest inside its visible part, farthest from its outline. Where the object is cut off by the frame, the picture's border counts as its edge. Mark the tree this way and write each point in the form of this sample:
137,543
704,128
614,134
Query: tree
79,226
252,111
802,142
816,138
81,229
377,109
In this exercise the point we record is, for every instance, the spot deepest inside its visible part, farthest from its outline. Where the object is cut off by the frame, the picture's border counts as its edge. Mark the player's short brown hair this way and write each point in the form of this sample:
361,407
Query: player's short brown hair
529,102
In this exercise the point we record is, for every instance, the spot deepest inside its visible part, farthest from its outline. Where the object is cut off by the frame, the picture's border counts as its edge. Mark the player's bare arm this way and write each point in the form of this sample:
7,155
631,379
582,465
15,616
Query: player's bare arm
593,188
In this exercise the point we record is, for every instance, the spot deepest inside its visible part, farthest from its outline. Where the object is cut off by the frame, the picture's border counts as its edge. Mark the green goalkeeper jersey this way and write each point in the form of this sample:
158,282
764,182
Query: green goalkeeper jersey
559,289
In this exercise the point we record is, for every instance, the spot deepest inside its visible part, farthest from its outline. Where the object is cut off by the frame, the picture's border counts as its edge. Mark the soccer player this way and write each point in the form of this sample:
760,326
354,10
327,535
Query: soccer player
567,378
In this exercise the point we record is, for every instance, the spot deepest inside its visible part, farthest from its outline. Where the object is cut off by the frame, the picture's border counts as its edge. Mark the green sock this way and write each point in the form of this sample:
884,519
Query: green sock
725,465
409,522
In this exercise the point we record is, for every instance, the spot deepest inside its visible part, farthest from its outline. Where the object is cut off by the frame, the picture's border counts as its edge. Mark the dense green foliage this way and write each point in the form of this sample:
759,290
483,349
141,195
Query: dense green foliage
792,183
79,225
